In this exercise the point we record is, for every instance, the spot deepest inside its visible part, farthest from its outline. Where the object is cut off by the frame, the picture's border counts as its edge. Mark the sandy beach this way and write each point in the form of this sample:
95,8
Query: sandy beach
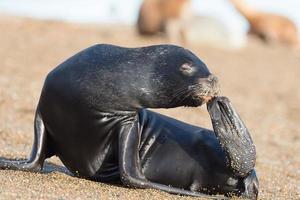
261,80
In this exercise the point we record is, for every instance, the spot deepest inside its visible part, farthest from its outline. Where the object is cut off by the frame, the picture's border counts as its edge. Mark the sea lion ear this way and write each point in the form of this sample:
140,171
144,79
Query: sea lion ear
187,69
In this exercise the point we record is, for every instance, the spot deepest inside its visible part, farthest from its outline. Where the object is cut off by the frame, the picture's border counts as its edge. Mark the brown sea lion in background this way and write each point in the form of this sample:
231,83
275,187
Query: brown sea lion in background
164,16
268,26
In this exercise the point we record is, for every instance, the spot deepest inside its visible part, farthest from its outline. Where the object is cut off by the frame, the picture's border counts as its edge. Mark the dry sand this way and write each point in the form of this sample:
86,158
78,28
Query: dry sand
262,82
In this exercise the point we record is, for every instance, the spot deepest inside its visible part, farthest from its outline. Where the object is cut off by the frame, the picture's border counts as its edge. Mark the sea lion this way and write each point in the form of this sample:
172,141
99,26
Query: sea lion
161,16
88,111
268,26
197,159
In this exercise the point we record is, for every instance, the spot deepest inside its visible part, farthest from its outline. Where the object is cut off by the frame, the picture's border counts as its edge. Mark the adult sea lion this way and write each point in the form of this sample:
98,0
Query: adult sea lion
88,112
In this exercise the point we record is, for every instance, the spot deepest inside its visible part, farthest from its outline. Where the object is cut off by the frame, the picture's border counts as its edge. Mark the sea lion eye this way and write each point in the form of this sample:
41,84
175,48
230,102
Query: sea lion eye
187,69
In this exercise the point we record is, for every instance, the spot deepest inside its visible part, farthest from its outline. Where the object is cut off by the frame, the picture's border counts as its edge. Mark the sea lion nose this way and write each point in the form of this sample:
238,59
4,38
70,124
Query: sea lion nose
213,81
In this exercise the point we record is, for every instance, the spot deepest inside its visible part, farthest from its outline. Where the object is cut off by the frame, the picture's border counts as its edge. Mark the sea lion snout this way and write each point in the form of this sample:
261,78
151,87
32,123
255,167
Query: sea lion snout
213,82
209,87
212,78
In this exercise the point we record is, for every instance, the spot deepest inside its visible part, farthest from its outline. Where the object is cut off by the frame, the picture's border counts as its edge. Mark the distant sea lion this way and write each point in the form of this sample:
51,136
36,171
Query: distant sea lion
88,112
161,16
267,26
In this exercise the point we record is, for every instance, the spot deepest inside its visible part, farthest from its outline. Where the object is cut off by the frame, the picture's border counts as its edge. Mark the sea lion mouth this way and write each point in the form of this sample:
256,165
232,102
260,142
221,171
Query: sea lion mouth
197,94
233,136
207,88
204,91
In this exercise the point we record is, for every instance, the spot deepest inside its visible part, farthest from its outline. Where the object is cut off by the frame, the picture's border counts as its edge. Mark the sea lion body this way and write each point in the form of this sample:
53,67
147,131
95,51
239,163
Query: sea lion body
84,107
91,111
193,153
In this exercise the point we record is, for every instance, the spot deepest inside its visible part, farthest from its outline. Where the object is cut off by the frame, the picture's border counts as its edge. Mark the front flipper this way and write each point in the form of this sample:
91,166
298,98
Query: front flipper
233,136
38,153
130,167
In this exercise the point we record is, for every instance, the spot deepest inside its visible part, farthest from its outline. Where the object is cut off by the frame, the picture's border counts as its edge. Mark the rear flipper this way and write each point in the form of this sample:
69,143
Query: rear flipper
246,188
250,186
38,153
233,136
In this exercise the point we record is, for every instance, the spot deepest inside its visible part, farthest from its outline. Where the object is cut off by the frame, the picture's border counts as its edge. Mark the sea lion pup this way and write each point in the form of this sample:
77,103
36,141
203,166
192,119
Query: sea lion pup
267,26
164,16
185,156
88,111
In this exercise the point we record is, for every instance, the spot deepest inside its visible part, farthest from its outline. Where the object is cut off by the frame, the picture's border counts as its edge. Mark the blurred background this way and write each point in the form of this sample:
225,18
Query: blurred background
251,45
221,14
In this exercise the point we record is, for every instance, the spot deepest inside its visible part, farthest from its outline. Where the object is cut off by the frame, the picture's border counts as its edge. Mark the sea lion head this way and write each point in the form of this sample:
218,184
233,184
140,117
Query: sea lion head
179,78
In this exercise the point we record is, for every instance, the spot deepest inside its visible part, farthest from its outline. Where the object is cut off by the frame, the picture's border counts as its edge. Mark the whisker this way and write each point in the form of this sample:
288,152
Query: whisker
195,92
178,93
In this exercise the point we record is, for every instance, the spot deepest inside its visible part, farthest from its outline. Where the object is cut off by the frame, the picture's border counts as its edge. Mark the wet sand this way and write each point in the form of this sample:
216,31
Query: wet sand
261,81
